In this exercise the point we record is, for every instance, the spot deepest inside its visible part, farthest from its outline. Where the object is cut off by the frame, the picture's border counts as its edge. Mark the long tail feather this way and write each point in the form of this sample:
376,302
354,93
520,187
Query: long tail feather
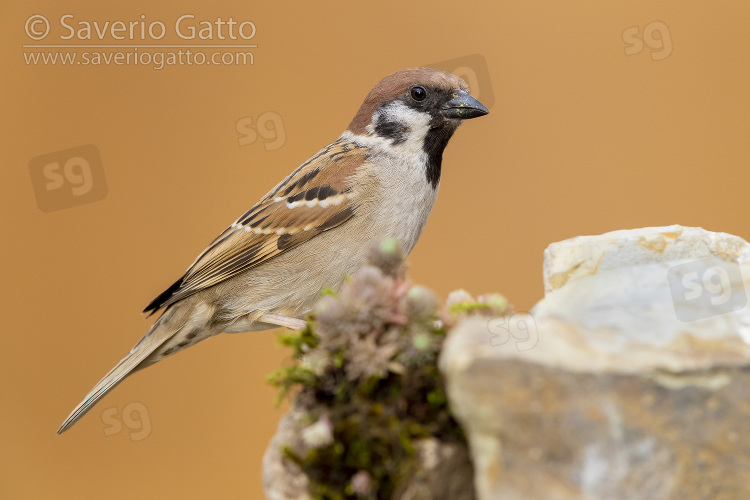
159,333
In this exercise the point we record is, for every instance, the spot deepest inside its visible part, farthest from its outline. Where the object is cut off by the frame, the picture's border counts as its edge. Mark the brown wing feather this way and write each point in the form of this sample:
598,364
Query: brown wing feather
312,199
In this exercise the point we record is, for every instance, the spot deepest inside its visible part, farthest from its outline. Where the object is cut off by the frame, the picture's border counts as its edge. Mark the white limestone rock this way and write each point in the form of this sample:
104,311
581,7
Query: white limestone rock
637,384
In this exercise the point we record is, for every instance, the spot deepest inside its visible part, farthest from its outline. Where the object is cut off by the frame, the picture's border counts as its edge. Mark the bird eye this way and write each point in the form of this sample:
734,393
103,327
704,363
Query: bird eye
418,93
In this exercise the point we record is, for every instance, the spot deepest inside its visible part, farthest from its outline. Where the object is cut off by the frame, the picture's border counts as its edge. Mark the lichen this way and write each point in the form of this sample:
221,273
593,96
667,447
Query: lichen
461,303
368,375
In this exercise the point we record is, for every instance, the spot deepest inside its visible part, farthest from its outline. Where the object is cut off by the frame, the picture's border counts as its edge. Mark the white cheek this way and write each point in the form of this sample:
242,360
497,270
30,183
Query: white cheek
416,122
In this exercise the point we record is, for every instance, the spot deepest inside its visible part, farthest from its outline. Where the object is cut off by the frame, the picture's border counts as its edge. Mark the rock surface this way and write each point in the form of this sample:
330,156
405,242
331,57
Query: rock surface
629,380
283,479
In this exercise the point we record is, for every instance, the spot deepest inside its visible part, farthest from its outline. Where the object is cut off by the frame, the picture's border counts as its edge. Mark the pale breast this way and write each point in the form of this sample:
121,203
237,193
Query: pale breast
403,198
394,200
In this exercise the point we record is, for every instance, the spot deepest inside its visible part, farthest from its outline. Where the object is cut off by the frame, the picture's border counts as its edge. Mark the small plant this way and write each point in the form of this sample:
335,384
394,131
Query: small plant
368,381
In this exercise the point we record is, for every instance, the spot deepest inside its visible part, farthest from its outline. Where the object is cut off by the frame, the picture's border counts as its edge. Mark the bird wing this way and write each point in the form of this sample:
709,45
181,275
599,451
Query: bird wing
312,199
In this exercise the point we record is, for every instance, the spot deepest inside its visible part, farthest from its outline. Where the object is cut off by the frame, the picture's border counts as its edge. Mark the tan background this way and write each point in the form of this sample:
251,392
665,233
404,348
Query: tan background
582,139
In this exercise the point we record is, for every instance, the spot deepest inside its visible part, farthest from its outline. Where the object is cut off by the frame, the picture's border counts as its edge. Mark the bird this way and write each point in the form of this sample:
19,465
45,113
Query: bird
378,180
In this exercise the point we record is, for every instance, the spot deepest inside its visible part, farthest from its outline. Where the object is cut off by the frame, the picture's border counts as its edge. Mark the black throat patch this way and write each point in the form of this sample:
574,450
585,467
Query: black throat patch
391,125
434,145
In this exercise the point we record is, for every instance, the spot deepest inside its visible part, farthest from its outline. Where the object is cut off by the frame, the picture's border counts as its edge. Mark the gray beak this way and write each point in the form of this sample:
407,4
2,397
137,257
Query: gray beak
463,106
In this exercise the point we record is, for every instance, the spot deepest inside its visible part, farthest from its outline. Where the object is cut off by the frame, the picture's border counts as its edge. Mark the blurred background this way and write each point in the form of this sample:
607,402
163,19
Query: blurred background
604,116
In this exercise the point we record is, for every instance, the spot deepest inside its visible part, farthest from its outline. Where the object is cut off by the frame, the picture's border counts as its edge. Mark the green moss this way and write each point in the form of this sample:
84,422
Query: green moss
495,303
422,342
467,307
372,387
388,246
287,378
375,421
301,341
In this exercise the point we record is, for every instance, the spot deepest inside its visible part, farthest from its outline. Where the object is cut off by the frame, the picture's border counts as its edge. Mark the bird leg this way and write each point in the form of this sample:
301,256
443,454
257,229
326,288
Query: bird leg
277,319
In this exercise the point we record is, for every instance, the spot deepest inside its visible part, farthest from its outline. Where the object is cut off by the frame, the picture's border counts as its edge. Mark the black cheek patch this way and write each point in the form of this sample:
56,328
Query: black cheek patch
392,130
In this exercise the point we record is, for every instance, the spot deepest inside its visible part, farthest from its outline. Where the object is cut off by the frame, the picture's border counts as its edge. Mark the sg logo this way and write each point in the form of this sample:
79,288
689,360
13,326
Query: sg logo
68,178
474,71
269,126
519,326
134,416
706,287
655,35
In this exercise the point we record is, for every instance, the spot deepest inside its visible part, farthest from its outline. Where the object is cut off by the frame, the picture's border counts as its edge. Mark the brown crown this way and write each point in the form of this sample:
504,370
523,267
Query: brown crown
396,84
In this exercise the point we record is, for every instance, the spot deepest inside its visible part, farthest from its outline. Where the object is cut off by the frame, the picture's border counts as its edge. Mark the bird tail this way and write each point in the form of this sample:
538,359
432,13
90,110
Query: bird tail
158,334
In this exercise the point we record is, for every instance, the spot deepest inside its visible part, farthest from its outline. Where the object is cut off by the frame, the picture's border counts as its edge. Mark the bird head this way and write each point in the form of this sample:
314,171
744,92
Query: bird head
417,110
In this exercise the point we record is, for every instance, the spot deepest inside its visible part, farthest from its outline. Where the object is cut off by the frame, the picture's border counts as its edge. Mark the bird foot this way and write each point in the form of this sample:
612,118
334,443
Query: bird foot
277,319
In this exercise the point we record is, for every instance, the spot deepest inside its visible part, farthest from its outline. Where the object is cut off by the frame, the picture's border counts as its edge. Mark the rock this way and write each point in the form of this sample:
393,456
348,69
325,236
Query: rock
283,479
583,256
637,385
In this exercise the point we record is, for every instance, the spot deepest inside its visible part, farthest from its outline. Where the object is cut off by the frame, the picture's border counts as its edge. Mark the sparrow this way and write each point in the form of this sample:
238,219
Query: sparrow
378,180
